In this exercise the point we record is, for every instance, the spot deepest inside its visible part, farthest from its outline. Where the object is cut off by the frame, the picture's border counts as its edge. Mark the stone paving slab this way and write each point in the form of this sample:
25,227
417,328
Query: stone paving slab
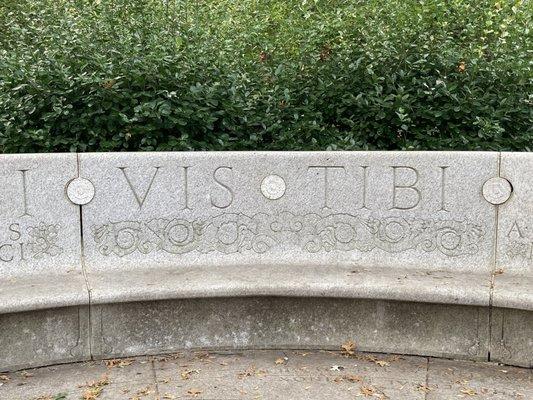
271,374
292,374
458,379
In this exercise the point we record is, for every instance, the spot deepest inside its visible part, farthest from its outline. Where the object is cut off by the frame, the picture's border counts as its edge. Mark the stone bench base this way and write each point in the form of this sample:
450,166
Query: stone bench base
120,254
46,337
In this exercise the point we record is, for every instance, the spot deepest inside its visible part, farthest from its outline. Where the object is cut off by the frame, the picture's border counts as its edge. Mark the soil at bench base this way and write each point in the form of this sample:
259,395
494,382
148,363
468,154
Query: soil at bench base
270,374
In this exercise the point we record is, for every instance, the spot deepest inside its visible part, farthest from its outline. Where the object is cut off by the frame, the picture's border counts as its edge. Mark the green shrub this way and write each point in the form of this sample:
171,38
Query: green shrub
103,75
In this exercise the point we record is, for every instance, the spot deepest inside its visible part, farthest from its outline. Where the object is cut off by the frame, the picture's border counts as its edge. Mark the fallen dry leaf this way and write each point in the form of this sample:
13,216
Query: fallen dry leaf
145,392
462,67
367,391
498,272
260,373
103,381
95,388
348,348
121,363
194,392
382,363
202,355
168,396
374,359
26,374
187,373
251,371
281,360
248,372
92,393
4,378
423,388
469,392
353,378
366,357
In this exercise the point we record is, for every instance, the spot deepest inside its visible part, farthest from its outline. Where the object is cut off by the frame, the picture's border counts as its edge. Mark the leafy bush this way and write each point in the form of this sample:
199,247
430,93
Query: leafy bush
102,75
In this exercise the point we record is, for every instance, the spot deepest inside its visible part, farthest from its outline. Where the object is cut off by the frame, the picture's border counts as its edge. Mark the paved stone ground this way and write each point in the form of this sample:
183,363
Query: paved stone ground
287,375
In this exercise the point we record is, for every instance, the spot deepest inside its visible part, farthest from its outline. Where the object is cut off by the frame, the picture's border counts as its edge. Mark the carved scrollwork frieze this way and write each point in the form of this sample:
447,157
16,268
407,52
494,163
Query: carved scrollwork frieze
231,233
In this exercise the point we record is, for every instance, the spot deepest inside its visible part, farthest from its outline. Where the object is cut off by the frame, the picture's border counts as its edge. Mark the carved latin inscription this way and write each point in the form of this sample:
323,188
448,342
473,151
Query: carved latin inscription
218,177
140,198
186,186
326,170
405,191
24,193
443,188
405,187
235,232
363,188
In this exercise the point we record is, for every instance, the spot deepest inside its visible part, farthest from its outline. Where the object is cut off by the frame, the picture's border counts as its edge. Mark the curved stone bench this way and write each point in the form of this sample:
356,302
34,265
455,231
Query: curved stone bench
123,254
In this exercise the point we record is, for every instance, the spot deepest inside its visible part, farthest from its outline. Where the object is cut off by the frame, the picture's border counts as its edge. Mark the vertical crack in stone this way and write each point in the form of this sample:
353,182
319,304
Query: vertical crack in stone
494,266
78,339
83,268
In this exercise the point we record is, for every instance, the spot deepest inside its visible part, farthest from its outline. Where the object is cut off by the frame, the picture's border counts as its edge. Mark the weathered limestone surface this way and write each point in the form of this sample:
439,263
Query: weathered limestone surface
512,328
512,337
513,282
410,252
125,329
44,337
40,256
40,263
415,216
397,227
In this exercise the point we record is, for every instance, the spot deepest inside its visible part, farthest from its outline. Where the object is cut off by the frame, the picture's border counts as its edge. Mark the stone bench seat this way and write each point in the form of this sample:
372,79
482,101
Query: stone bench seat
433,286
106,255
514,292
41,292
445,287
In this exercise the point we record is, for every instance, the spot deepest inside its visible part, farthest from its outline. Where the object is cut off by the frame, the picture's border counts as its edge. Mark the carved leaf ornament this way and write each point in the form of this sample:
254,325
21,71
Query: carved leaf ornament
235,233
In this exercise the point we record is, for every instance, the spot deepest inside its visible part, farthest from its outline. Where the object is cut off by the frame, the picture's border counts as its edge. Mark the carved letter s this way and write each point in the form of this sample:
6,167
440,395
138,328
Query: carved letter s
226,187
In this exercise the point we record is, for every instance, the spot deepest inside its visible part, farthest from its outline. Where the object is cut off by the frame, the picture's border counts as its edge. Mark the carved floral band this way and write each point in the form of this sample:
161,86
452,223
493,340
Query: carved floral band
235,233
